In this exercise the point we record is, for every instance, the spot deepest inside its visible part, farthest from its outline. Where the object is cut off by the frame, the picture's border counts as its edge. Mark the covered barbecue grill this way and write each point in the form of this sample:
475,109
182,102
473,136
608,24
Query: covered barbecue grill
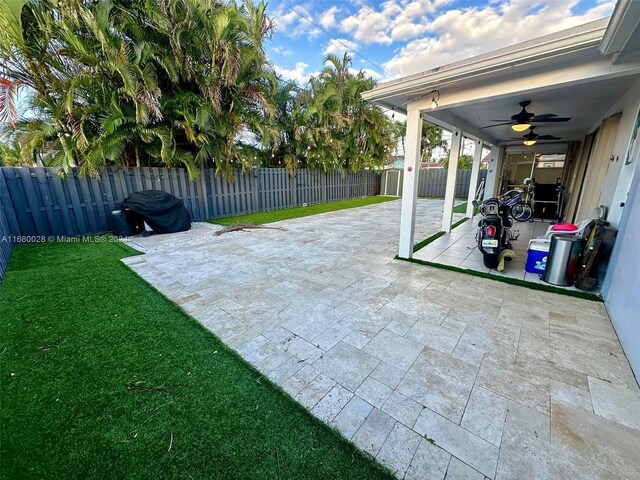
163,212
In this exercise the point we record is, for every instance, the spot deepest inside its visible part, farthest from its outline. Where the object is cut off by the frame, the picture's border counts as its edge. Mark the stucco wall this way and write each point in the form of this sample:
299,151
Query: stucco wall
622,282
619,176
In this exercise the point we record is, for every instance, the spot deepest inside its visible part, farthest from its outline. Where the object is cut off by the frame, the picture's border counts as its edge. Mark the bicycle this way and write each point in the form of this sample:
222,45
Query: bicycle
519,209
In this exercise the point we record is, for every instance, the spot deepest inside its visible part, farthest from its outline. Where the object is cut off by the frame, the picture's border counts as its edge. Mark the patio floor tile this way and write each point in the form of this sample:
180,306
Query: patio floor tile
515,383
374,392
615,402
387,374
324,311
393,349
399,449
471,449
429,463
374,431
525,456
346,365
315,391
352,416
612,446
332,403
435,336
485,415
311,322
461,471
440,382
563,393
402,408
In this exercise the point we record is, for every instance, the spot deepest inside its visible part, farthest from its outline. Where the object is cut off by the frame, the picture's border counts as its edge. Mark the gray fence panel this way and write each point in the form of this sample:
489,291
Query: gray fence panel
38,201
7,215
432,182
6,243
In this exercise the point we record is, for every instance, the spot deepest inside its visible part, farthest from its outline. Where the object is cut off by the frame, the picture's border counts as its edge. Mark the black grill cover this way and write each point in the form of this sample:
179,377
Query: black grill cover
163,212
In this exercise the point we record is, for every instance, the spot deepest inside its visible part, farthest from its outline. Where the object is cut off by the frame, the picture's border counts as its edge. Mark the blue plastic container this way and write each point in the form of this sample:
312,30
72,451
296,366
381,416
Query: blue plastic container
537,256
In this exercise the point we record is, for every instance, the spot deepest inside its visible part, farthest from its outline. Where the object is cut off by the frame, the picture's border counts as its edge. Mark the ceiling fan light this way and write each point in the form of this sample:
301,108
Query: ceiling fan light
520,127
528,143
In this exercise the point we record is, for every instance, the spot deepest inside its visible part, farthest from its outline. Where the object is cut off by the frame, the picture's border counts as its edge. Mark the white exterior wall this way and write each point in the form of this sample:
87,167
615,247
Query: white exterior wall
619,176
622,283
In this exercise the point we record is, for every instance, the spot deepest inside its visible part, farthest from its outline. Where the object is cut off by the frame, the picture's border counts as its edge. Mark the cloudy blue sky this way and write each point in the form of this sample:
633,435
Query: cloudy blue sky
399,37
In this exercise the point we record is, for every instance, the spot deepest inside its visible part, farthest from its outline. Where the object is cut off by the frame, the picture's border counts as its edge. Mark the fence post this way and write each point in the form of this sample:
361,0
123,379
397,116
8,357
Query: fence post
203,192
348,185
254,190
293,185
323,182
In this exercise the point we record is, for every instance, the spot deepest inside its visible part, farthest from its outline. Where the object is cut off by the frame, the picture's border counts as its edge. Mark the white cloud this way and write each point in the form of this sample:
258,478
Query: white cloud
294,23
328,17
339,46
461,33
297,74
370,26
395,20
314,32
407,30
285,52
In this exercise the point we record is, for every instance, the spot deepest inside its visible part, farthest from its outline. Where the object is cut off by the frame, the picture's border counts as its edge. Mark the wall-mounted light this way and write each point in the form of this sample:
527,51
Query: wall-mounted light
434,98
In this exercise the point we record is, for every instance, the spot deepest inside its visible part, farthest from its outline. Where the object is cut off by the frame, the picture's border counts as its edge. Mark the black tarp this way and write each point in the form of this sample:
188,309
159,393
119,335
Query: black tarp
163,212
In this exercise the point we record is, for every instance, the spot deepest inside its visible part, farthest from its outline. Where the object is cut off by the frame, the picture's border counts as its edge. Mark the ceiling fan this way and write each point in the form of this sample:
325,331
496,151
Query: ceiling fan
532,137
523,120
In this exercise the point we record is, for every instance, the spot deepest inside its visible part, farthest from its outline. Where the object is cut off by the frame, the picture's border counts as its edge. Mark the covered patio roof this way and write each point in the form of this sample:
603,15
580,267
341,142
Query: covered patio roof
579,73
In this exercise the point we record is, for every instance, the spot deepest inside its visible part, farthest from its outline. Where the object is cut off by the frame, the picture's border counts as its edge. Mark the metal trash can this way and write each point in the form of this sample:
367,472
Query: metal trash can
562,264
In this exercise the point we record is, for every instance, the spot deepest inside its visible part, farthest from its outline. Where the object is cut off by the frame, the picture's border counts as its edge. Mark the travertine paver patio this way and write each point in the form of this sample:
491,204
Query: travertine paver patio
437,374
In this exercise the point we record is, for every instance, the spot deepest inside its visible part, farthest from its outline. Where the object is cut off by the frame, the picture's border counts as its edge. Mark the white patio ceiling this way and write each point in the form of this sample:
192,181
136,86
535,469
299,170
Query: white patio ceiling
585,104
564,73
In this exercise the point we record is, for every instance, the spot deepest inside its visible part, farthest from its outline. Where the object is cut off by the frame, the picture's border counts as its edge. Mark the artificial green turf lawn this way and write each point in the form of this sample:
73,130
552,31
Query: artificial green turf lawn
462,208
102,377
296,212
513,281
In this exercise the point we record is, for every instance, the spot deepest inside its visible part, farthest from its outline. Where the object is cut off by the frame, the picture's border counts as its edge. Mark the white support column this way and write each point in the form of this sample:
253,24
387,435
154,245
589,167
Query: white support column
492,172
473,182
452,173
410,183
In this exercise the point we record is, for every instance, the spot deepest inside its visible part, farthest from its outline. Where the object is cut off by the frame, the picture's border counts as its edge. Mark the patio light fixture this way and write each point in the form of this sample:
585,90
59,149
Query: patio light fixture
435,96
434,99
520,127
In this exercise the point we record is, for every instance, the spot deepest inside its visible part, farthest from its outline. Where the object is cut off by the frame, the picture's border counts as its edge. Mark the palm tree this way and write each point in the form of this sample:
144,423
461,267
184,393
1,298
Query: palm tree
131,82
340,130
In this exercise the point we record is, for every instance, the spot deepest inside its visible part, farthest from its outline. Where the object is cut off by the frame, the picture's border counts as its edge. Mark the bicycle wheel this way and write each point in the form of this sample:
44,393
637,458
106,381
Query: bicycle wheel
521,212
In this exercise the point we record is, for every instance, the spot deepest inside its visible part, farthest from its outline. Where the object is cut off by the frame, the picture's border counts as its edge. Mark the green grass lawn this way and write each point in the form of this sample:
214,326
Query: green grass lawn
296,212
102,377
460,208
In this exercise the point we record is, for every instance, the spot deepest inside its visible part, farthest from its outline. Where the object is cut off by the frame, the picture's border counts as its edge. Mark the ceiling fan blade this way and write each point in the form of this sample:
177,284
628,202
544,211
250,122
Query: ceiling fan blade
496,125
548,137
541,119
546,115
